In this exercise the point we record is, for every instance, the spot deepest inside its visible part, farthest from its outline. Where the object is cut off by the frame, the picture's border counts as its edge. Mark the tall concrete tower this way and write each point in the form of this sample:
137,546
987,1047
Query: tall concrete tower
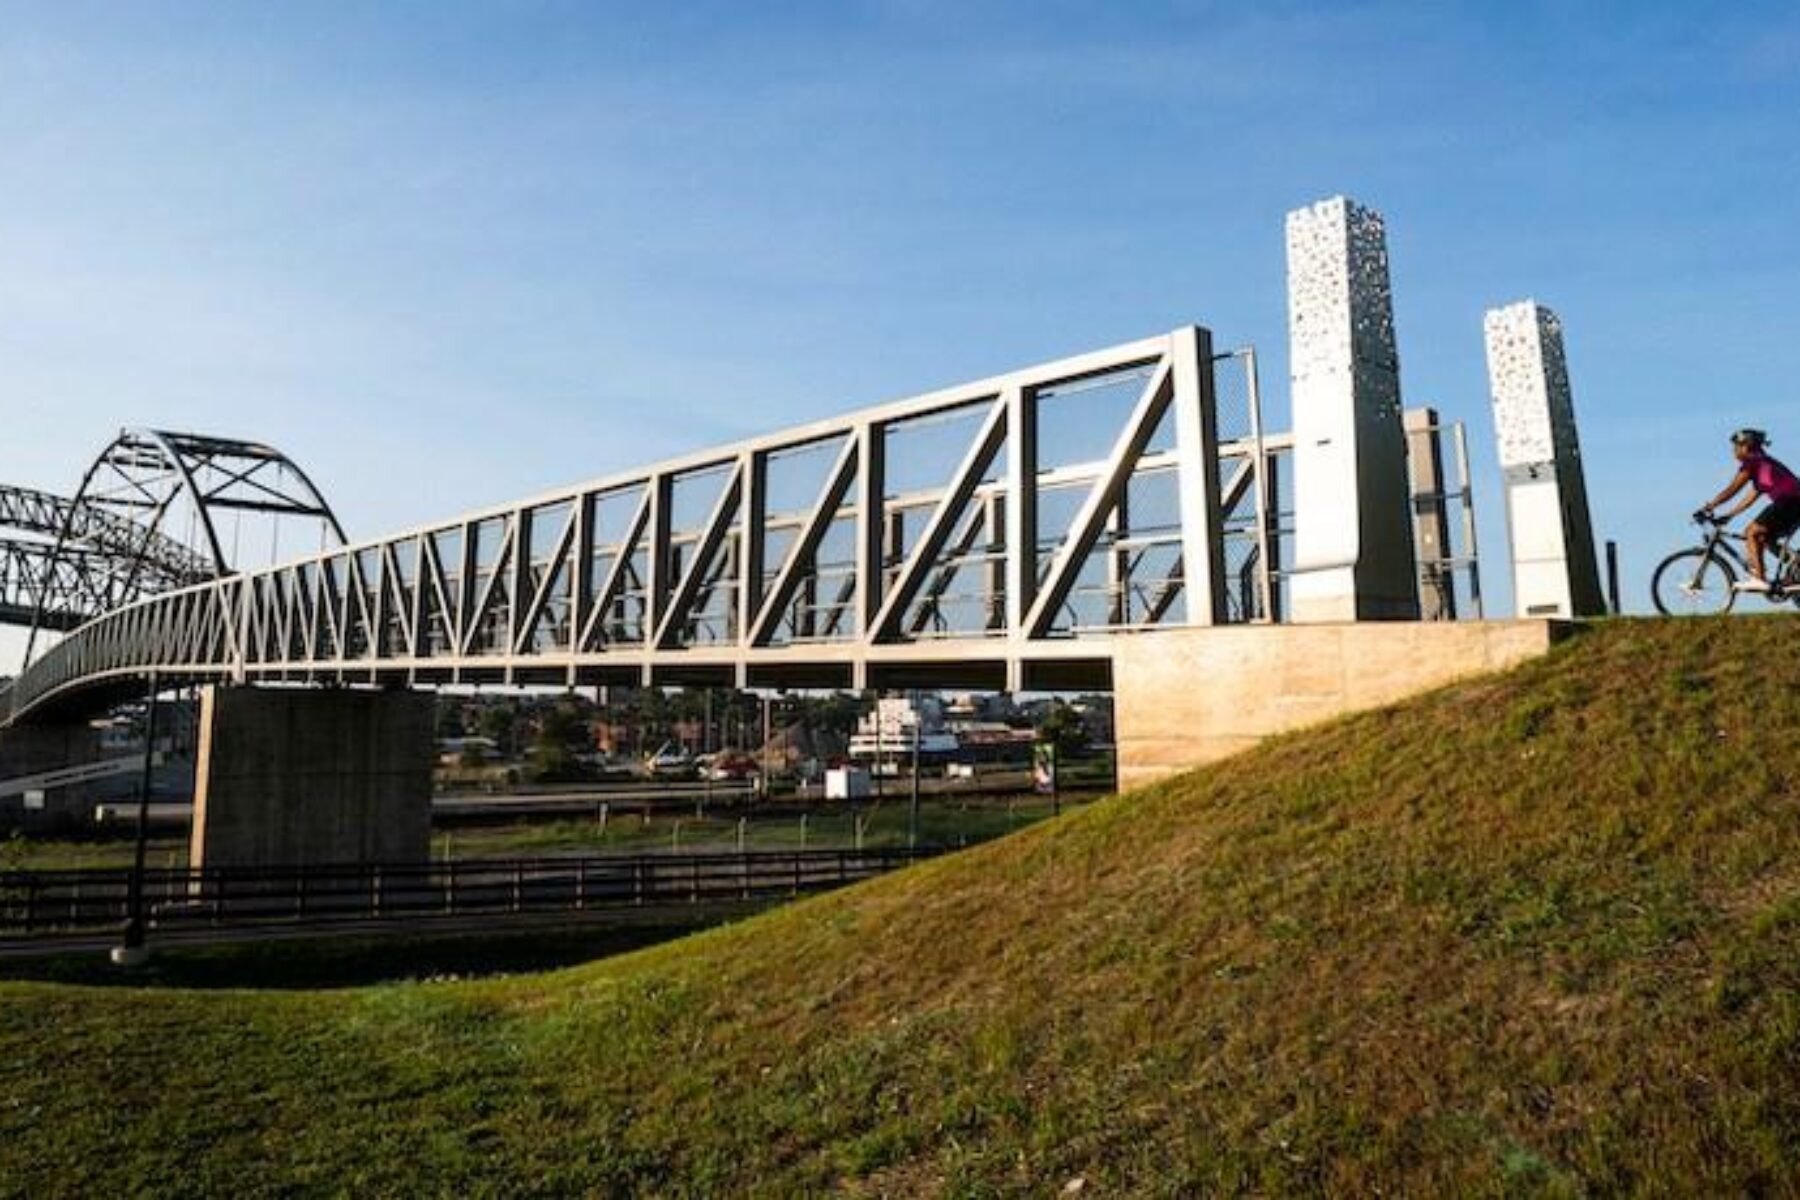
1547,518
1353,541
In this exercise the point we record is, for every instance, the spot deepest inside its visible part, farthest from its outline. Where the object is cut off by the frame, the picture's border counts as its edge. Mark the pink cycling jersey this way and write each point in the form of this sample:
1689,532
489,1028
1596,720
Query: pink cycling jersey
1771,478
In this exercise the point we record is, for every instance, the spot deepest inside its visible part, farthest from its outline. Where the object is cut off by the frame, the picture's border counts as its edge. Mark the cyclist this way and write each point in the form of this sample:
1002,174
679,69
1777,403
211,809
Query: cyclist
1767,477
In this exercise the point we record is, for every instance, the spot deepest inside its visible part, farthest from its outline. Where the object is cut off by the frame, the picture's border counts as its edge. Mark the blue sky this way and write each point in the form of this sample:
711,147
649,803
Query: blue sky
450,254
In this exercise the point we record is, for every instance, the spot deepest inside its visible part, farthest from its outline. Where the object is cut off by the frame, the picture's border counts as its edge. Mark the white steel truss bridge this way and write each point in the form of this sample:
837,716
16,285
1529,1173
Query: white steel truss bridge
999,534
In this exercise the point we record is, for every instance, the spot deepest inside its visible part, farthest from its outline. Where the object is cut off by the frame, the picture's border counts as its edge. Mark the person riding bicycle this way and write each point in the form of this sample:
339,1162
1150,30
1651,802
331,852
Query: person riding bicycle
1766,477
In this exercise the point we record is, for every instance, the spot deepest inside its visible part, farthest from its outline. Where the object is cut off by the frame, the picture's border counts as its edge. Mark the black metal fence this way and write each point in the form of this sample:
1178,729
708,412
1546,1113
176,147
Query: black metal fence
49,903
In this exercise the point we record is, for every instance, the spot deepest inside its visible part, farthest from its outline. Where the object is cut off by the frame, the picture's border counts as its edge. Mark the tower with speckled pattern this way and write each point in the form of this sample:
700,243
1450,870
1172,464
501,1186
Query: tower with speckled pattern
1354,555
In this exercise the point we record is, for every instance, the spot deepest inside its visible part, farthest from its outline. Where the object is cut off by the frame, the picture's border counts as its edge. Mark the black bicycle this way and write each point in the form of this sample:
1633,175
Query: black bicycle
1702,579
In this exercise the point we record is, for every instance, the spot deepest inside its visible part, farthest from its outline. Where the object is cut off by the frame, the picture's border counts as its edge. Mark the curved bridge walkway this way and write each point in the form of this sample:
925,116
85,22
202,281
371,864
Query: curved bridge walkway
999,534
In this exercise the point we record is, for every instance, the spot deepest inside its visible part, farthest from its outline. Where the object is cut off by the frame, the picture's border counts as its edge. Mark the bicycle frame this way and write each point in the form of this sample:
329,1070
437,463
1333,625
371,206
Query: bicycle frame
1719,541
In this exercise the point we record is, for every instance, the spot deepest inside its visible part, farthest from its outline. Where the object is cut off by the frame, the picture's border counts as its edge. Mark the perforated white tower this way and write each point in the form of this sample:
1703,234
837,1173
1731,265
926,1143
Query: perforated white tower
1555,573
1353,543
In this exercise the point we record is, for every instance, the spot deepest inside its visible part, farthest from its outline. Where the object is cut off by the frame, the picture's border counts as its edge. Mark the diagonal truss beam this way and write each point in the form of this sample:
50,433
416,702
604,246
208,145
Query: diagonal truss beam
975,463
621,567
717,527
509,541
559,558
824,511
974,526
1090,519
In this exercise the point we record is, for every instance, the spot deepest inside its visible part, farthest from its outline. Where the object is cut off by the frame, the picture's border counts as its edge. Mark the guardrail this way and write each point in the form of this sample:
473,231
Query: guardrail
46,904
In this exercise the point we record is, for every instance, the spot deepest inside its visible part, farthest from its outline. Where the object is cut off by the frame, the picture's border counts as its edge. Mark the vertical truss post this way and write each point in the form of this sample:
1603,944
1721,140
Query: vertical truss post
241,652
1431,514
520,591
467,610
1268,483
1197,450
580,587
1118,562
754,471
1460,436
1021,507
1265,496
994,575
871,524
658,586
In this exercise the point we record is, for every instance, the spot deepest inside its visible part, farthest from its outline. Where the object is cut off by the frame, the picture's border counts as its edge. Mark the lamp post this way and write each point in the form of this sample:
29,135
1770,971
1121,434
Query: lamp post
768,736
876,770
133,952
706,747
912,819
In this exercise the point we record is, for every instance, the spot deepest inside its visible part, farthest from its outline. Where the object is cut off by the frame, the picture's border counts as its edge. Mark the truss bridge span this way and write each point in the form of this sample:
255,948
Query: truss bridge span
1002,533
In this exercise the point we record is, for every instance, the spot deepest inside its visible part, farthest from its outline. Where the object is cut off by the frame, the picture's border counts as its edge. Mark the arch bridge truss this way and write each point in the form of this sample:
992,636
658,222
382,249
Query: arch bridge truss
996,534
106,560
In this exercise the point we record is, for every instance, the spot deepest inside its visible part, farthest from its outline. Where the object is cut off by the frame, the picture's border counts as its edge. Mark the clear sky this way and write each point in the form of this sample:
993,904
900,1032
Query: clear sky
449,254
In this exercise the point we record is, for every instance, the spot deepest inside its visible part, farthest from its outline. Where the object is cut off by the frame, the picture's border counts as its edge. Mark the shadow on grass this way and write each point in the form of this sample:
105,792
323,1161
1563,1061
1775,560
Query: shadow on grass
352,960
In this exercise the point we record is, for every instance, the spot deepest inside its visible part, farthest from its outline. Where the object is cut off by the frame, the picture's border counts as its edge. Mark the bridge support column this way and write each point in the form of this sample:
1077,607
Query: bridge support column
29,752
1353,545
288,776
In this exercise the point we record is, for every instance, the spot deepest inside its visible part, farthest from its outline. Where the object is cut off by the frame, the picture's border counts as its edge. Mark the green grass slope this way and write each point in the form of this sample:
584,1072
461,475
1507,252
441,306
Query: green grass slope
1536,934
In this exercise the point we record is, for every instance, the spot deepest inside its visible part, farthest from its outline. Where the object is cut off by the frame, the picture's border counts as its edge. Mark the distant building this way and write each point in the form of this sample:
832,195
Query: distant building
454,751
886,735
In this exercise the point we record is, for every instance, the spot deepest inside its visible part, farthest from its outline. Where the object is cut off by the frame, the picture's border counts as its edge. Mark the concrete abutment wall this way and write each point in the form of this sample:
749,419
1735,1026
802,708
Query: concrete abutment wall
1183,699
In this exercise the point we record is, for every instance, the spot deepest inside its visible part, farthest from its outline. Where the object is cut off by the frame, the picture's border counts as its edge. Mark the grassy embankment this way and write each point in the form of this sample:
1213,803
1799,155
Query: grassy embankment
1537,933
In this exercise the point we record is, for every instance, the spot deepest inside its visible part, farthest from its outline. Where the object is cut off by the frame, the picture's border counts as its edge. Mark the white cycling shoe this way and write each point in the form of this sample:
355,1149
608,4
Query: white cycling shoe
1760,586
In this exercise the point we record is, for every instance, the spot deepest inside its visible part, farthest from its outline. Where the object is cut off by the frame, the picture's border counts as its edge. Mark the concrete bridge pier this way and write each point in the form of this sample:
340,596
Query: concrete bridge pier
29,752
290,776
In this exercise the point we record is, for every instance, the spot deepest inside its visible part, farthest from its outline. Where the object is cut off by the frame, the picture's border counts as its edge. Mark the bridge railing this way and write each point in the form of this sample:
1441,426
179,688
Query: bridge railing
51,904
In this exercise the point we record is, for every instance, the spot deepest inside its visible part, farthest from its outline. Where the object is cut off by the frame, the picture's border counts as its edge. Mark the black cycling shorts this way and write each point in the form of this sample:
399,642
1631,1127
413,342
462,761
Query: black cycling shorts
1780,518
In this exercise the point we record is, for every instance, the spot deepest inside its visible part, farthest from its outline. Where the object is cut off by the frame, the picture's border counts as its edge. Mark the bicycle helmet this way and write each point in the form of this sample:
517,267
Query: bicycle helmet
1750,437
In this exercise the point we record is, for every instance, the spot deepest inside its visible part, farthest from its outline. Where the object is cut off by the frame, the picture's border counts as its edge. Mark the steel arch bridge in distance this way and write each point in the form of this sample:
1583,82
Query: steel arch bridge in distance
105,561
66,560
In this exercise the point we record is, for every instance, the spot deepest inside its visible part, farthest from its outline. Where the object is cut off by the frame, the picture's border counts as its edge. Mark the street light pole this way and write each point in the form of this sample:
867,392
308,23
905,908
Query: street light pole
878,748
133,952
768,736
912,823
712,765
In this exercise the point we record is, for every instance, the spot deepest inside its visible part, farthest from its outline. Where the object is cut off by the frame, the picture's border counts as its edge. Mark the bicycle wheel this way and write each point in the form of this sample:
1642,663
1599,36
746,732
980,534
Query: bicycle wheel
1693,583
